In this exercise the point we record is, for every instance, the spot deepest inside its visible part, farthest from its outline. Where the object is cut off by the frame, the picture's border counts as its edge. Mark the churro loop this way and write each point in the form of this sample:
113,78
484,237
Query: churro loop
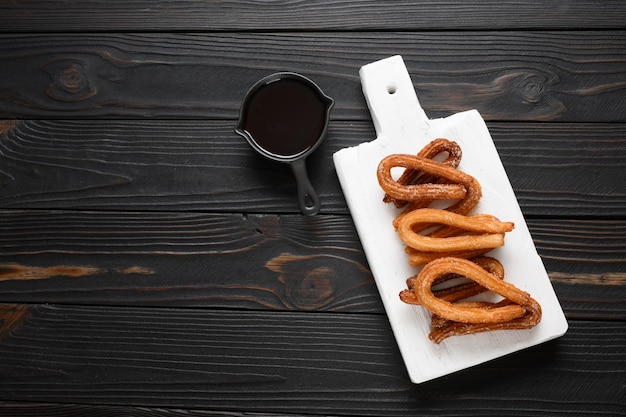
470,289
487,232
430,151
459,291
426,191
444,240
517,305
442,327
447,182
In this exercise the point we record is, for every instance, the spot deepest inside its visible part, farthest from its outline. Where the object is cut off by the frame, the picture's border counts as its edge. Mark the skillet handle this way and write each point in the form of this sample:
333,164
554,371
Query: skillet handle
307,197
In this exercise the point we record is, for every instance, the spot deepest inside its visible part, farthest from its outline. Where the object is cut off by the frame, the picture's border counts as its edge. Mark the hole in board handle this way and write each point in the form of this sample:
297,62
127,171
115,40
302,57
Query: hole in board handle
391,89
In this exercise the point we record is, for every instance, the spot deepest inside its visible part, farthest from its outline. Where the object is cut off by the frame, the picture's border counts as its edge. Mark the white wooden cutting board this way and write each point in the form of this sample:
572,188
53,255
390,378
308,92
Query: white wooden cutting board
403,127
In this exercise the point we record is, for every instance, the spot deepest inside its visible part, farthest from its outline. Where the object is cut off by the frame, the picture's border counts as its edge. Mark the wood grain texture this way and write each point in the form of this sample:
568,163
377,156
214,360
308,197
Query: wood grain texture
15,409
176,15
235,261
258,261
161,165
548,154
524,76
341,364
151,264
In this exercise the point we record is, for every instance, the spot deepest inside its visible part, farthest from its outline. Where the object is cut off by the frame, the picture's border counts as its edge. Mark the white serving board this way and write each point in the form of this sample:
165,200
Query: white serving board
403,127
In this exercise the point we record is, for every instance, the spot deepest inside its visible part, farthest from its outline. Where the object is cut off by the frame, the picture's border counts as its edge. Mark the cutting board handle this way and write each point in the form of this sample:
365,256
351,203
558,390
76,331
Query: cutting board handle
390,95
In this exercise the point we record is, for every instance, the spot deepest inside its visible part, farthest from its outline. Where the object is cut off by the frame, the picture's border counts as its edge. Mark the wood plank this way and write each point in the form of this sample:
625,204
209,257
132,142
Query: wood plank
235,261
531,76
34,409
307,363
162,165
133,15
258,262
580,247
543,165
152,265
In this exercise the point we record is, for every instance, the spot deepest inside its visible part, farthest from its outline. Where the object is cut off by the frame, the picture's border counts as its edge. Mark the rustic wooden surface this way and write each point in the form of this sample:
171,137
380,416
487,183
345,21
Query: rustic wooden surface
152,265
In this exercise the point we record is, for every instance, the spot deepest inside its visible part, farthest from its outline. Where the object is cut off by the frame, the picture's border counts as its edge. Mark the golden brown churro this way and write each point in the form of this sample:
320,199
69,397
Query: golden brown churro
419,191
487,231
467,314
430,151
449,244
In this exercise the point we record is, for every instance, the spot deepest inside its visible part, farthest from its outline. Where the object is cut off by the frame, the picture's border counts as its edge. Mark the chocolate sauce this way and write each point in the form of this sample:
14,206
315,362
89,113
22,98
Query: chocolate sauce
285,117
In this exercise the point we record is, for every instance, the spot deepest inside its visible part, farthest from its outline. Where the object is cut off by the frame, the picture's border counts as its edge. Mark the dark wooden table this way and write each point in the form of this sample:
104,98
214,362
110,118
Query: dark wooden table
151,264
